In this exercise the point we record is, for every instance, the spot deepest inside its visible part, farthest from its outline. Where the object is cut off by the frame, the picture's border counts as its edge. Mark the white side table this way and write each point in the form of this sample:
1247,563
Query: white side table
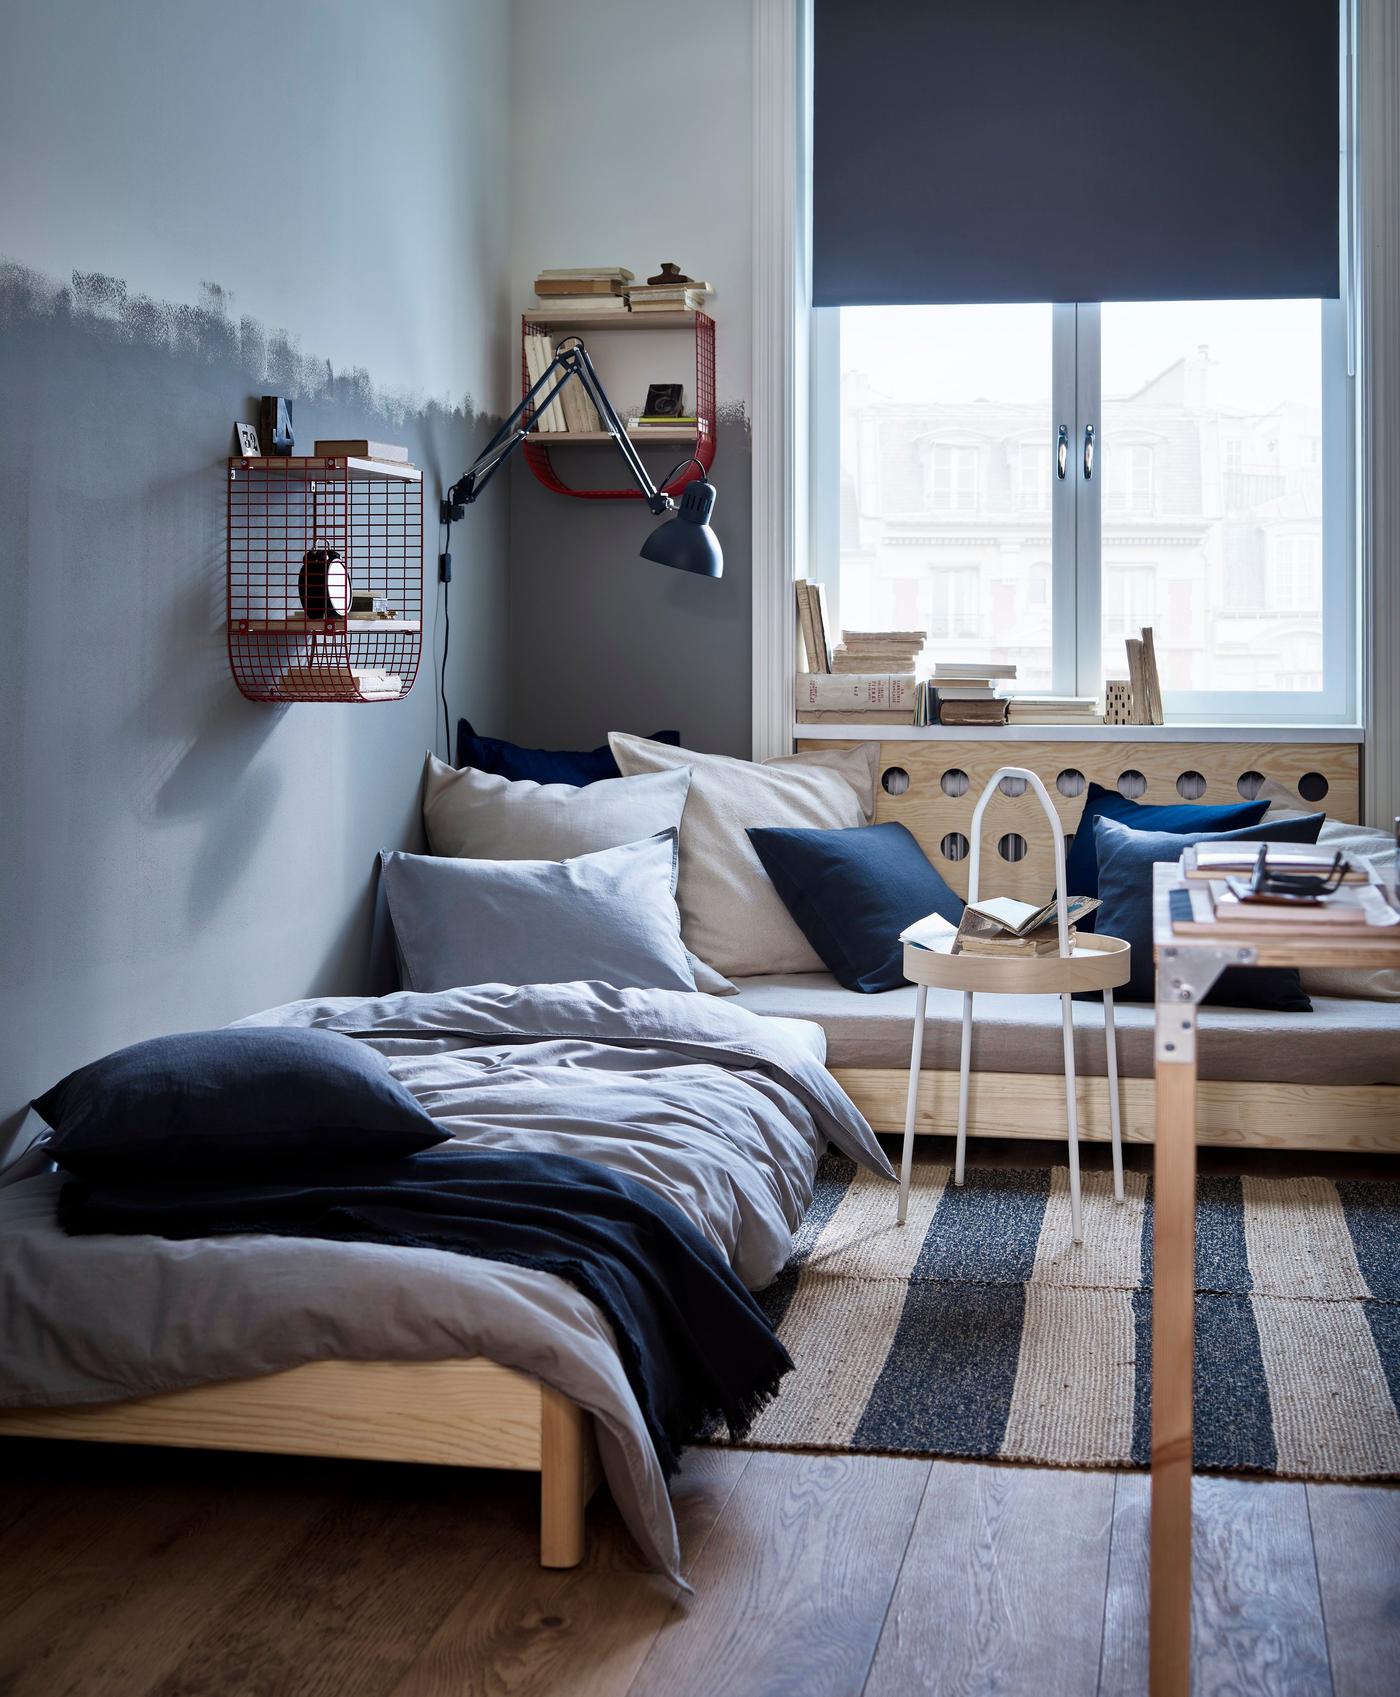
1094,963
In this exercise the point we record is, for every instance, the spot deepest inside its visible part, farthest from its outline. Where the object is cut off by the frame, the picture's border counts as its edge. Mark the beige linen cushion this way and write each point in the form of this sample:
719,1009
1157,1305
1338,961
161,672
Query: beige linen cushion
731,916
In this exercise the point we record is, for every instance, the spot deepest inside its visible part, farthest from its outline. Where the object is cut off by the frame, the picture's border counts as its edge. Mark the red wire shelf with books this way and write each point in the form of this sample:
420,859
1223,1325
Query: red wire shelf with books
583,431
325,578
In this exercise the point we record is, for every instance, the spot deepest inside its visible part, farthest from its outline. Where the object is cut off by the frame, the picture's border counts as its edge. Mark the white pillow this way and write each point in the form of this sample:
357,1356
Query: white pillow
731,916
474,815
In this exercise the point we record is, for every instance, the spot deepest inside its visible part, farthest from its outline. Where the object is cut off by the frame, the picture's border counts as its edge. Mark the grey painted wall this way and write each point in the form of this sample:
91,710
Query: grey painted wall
173,855
643,155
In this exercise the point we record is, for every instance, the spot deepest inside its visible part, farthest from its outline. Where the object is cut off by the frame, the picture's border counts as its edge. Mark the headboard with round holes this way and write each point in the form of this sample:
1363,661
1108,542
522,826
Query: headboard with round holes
932,787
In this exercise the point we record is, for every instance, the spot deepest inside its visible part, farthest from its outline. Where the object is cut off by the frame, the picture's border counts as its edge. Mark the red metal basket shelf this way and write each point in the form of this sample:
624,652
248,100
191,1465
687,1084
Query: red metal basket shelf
371,513
701,442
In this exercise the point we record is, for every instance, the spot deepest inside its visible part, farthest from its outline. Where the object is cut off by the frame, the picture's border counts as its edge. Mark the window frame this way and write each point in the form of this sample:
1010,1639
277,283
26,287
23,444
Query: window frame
1077,509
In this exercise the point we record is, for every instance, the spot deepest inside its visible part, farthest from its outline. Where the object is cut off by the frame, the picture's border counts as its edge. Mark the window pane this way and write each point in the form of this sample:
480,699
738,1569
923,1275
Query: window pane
946,455
1211,456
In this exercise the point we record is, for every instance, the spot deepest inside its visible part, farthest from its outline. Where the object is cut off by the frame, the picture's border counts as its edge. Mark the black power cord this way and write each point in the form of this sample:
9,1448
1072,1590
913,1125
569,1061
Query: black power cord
445,584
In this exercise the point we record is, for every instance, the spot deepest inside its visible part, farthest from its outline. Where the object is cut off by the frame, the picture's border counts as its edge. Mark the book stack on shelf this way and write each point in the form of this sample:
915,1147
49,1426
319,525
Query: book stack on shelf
683,295
1217,895
640,423
964,692
869,677
1053,710
588,291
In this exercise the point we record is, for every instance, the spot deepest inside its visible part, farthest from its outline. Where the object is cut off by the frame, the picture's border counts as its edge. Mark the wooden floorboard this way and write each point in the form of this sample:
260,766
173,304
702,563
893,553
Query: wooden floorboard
1002,1588
584,1632
131,1573
794,1583
1356,1540
1257,1626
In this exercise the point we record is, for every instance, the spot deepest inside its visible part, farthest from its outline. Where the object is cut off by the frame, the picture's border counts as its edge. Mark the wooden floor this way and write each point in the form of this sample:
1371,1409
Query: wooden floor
169,1574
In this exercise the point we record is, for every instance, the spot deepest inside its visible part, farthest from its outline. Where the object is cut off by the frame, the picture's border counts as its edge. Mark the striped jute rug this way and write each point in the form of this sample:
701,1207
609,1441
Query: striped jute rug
979,1329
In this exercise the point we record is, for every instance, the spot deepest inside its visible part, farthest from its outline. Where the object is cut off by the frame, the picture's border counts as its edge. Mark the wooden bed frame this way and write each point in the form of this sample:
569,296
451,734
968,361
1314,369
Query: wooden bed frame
472,1413
476,1413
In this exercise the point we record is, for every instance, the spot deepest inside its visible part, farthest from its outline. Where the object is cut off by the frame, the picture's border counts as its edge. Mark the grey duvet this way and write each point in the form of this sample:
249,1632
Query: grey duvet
720,1111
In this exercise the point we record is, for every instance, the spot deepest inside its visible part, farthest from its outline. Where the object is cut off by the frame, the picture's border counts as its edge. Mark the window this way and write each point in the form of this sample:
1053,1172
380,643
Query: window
952,479
1215,506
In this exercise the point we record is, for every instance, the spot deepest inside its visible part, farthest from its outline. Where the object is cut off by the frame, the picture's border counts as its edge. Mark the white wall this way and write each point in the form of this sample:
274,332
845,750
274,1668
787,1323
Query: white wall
632,145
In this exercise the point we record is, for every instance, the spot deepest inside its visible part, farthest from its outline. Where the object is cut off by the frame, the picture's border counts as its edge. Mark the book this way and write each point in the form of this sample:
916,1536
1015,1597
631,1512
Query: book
854,716
1019,918
359,448
976,670
1151,681
807,626
1350,907
579,286
843,660
1137,678
589,272
1205,860
1013,947
1194,913
587,306
967,692
837,692
648,421
816,594
991,712
931,932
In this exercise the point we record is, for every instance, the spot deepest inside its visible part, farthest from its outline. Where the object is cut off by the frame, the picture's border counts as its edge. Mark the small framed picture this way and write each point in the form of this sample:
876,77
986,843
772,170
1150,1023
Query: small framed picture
248,444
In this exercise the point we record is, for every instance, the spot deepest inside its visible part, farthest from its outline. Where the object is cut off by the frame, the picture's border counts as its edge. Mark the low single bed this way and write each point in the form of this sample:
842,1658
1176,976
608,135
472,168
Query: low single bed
318,1347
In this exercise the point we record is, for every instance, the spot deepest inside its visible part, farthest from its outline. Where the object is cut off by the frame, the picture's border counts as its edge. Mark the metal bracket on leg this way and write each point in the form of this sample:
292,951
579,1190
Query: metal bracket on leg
1184,979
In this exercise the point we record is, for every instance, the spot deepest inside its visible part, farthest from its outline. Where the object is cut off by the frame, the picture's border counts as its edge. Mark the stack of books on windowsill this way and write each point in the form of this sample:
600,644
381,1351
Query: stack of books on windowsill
596,291
964,692
1053,710
877,651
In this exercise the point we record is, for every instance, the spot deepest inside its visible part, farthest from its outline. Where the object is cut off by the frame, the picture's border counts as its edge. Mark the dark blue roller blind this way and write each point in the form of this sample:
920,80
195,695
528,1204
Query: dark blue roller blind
1063,150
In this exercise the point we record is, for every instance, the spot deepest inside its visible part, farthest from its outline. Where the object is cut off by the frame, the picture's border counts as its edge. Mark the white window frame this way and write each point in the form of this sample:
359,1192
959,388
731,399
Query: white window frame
1077,514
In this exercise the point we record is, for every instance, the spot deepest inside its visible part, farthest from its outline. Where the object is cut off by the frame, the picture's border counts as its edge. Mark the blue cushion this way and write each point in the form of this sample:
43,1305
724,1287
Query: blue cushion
541,765
852,892
1081,863
250,1101
1125,862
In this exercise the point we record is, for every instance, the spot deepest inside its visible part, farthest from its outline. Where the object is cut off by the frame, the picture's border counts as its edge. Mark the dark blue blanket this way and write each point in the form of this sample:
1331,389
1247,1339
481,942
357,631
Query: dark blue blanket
694,1344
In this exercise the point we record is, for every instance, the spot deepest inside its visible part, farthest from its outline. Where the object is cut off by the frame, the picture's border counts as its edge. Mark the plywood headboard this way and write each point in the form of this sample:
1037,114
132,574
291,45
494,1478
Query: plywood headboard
932,787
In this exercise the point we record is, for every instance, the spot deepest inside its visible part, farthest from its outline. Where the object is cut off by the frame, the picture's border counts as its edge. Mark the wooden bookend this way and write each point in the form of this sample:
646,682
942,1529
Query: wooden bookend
1151,680
1137,677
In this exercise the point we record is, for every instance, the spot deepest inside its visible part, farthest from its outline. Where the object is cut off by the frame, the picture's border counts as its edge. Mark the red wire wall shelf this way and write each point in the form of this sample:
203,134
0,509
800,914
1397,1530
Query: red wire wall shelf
284,648
700,441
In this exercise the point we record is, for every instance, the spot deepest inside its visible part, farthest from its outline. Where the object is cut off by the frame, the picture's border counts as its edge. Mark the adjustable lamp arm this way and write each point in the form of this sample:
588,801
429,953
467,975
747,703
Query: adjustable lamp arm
570,361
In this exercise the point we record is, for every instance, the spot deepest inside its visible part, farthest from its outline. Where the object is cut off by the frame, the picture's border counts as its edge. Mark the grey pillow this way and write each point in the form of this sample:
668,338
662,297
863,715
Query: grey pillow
610,916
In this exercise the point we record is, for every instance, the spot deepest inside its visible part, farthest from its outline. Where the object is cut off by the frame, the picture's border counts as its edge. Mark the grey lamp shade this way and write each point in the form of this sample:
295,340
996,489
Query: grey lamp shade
686,541
1074,150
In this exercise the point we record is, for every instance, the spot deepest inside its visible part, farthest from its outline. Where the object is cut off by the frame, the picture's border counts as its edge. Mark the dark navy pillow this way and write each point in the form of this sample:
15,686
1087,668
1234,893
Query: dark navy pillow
1081,863
252,1101
1125,862
541,765
852,892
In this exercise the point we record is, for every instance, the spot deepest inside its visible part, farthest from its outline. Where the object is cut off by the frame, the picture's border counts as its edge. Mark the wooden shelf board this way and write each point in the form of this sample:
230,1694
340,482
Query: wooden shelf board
677,320
858,731
323,627
662,433
315,465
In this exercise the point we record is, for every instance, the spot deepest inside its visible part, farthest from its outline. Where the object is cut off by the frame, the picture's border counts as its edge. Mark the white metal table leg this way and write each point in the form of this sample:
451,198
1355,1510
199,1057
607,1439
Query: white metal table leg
1072,1113
964,1064
916,1061
1110,1037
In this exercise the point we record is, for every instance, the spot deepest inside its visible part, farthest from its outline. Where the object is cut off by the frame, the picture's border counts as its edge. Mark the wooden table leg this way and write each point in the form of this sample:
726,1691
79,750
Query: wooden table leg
1173,1358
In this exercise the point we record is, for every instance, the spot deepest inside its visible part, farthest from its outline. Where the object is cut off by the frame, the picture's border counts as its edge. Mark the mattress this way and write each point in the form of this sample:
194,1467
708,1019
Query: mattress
1342,1041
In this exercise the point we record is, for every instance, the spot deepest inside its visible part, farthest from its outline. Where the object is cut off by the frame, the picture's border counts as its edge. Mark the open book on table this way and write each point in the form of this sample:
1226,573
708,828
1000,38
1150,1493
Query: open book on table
1000,925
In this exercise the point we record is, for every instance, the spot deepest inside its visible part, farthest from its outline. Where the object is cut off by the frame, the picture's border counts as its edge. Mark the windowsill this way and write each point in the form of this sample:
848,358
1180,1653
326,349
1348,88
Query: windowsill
855,731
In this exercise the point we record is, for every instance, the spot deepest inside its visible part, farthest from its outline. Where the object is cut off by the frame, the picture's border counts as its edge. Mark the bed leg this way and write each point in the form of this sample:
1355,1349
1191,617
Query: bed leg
568,1472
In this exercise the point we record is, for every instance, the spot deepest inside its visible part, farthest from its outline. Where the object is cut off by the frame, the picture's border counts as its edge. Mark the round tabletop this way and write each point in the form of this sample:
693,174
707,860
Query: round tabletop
1095,963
